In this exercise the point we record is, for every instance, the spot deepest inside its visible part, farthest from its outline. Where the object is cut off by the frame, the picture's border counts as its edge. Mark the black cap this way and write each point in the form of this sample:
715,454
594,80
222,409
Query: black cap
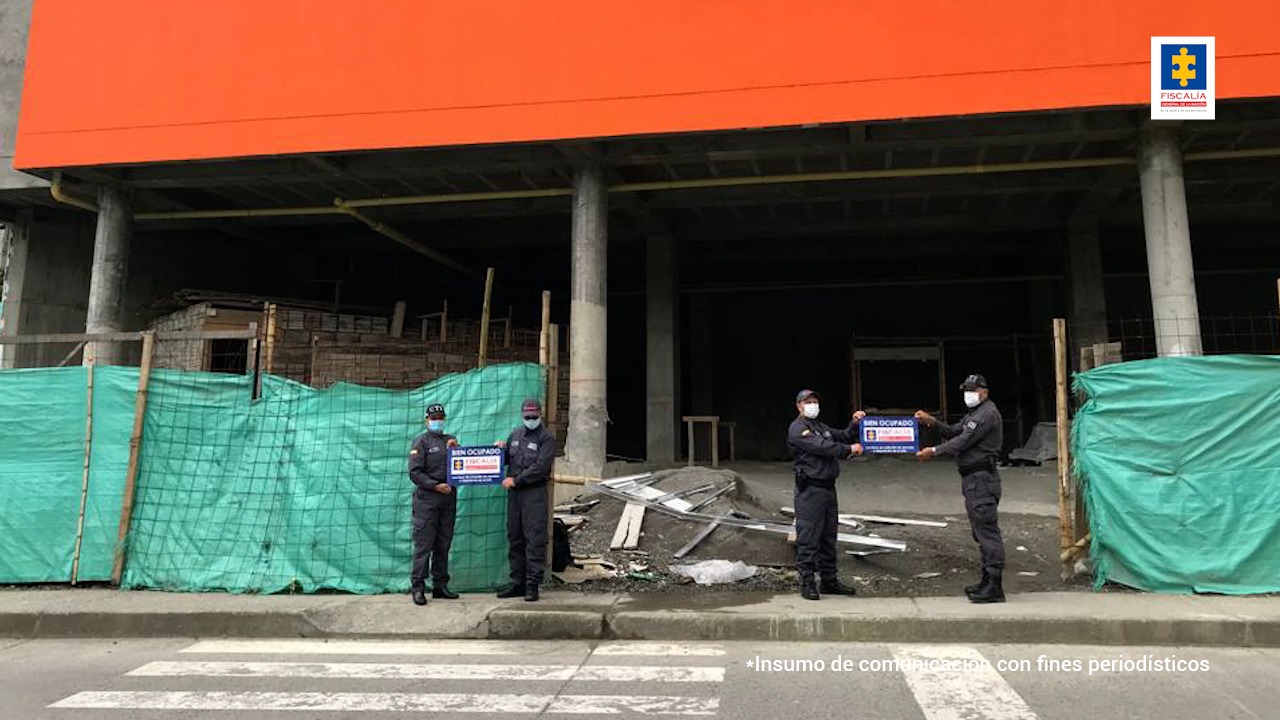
435,409
805,395
973,382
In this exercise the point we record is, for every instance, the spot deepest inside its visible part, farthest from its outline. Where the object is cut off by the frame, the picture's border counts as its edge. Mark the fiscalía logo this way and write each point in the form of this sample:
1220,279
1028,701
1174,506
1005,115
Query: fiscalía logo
1182,78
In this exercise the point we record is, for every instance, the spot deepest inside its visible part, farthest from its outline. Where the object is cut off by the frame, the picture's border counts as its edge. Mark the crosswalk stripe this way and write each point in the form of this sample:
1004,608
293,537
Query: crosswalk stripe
392,702
659,649
424,671
368,647
976,691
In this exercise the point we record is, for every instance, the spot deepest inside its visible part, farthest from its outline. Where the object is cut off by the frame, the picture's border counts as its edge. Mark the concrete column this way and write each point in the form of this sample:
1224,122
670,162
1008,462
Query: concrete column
702,355
661,351
1164,217
1088,296
13,264
110,267
588,413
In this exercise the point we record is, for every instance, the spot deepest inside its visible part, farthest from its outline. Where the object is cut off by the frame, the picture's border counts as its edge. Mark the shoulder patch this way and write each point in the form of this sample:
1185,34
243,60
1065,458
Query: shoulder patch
973,425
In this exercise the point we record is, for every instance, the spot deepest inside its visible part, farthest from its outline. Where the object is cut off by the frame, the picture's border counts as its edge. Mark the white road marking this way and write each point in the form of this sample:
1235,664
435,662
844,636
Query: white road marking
392,702
659,649
975,691
374,647
396,671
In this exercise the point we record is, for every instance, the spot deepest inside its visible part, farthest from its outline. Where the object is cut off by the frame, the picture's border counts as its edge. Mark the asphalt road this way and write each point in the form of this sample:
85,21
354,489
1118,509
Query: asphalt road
365,680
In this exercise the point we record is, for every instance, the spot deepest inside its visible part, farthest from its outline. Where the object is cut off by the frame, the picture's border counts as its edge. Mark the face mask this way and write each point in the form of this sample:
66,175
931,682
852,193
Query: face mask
972,399
435,426
532,424
811,410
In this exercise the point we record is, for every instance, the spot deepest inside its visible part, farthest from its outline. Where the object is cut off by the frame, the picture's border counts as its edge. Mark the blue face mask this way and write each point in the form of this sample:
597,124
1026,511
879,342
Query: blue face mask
532,424
435,426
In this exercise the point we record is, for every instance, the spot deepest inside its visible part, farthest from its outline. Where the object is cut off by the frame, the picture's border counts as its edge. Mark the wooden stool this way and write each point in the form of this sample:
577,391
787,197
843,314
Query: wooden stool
714,421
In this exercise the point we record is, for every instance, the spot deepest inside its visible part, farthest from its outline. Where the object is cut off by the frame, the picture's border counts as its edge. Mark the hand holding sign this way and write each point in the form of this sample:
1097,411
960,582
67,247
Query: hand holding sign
927,453
509,483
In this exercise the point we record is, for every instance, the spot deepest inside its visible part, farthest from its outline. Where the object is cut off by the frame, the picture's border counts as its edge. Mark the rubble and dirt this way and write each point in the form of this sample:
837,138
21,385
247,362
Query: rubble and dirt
948,551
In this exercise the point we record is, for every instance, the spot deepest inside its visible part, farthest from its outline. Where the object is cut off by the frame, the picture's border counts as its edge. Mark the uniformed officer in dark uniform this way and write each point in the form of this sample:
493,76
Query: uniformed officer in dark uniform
976,442
434,508
531,449
818,449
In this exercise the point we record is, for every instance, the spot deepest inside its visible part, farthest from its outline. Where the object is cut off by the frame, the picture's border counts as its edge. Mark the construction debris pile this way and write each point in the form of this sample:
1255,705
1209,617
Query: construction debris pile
658,530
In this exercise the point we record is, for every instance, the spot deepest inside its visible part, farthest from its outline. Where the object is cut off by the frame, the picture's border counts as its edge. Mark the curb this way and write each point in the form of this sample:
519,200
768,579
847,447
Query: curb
580,624
160,625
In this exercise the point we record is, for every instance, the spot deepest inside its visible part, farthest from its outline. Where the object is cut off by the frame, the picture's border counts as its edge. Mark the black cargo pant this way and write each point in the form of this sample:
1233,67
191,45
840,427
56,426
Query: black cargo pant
527,534
433,519
981,490
816,527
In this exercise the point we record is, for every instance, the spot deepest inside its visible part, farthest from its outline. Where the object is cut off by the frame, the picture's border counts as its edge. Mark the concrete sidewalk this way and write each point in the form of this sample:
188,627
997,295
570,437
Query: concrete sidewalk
1079,618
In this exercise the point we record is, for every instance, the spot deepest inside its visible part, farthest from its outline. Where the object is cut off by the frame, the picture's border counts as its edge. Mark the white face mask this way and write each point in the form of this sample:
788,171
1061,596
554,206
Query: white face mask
972,399
810,410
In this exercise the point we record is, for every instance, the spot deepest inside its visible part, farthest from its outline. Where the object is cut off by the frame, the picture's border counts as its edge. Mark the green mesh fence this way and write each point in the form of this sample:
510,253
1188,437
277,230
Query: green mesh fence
301,489
1180,461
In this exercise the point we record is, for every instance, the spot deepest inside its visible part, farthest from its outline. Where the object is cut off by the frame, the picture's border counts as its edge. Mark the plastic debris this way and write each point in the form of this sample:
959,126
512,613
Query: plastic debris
716,572
927,575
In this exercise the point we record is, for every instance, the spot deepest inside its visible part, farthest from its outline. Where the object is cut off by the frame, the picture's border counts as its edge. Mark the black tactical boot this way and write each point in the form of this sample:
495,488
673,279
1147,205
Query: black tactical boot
809,588
990,591
419,595
833,586
511,591
442,592
531,592
971,589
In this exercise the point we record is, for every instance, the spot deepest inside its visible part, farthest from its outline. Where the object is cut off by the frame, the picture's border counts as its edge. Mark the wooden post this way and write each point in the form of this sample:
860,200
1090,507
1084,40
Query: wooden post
135,447
553,386
544,338
506,334
484,318
90,360
315,359
1064,434
544,358
268,362
444,323
397,319
251,363
689,423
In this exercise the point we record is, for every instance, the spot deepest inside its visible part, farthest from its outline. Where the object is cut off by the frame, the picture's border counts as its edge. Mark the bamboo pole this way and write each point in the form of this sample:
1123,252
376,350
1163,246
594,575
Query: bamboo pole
135,447
1064,460
1070,553
91,360
484,318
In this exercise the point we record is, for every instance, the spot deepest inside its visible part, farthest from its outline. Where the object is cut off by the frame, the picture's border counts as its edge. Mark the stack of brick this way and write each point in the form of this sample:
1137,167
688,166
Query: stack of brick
181,354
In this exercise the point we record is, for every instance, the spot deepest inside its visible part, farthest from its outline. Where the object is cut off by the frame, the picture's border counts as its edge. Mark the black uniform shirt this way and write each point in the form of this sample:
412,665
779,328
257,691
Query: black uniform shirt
429,460
818,449
976,439
530,454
